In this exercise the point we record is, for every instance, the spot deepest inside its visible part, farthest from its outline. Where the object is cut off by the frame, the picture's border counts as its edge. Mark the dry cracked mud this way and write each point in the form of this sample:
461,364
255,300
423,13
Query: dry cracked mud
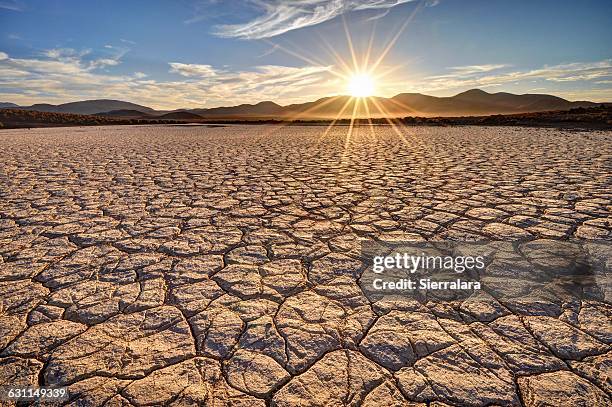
219,266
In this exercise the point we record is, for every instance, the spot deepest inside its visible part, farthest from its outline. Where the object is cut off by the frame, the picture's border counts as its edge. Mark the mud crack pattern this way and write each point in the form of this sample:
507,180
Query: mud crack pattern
219,266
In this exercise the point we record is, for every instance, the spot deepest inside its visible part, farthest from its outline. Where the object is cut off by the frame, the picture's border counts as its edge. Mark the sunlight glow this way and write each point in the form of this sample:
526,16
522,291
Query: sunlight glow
360,85
362,77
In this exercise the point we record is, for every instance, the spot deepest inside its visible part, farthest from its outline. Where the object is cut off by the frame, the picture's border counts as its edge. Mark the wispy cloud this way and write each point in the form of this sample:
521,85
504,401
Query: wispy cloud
70,60
62,75
223,86
279,16
191,70
467,72
14,5
495,75
379,16
64,53
476,69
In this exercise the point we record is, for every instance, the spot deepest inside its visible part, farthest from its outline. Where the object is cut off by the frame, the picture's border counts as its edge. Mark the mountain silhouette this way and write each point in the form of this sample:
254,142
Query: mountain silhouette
473,102
87,107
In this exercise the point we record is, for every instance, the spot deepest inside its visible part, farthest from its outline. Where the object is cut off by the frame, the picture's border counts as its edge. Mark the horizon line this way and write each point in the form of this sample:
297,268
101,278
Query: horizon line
298,103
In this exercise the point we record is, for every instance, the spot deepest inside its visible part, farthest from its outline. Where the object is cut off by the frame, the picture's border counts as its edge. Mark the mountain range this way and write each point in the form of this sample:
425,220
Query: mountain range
82,107
473,102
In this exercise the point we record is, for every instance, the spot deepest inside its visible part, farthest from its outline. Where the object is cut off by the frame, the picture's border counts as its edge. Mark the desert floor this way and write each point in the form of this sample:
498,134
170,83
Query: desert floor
179,265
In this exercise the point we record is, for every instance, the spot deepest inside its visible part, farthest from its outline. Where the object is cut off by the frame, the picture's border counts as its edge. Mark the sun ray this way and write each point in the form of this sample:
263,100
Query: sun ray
369,116
394,39
359,74
386,72
353,115
415,141
297,116
349,40
303,58
393,126
313,60
349,133
303,113
340,113
403,106
366,59
361,85
334,54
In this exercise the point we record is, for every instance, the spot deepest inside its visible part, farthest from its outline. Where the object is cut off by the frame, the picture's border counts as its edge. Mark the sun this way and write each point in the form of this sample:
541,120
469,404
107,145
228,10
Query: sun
360,85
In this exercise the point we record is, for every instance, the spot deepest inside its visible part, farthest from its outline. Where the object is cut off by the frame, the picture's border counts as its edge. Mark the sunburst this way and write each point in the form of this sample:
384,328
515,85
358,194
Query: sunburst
361,85
361,77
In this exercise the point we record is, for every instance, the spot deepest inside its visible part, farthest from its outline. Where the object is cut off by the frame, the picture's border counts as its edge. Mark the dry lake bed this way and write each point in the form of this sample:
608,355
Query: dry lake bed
167,265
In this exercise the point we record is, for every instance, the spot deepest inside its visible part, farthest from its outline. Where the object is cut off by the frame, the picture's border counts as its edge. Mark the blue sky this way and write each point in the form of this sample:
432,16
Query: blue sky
171,54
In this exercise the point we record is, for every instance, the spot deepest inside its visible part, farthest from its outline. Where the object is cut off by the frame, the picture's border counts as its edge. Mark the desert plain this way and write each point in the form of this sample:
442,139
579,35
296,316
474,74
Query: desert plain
185,265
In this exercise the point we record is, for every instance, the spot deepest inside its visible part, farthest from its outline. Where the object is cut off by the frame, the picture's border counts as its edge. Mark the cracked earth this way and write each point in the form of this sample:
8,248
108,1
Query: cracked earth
219,266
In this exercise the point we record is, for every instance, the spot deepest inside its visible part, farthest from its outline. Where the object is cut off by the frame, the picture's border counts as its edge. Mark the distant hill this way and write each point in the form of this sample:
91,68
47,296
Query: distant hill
88,107
7,105
20,118
470,103
473,102
478,102
180,116
261,109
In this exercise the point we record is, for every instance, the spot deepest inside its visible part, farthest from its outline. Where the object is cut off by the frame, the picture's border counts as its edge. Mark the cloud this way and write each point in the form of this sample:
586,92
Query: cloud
57,53
491,75
63,76
463,73
102,62
224,86
379,16
13,5
190,70
281,16
475,69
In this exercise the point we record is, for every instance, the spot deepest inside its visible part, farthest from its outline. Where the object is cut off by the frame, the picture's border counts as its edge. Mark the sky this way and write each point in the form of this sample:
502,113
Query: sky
185,54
